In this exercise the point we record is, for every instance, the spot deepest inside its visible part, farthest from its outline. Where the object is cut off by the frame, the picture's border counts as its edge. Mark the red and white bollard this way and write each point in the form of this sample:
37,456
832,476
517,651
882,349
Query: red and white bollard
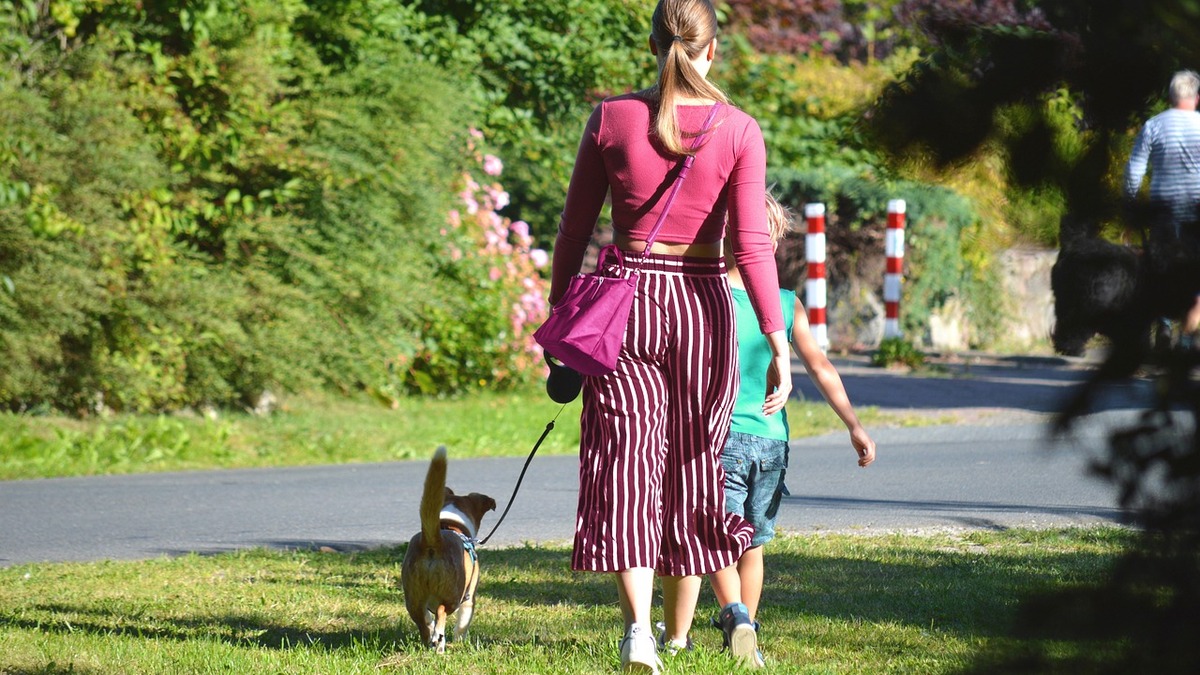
814,285
894,250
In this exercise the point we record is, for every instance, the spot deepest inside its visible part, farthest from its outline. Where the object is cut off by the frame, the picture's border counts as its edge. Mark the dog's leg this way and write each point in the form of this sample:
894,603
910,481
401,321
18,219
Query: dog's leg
421,617
466,609
430,631
439,630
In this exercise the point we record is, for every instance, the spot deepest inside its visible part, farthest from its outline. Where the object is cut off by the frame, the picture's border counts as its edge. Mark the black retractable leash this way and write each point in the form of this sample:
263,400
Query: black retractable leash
563,386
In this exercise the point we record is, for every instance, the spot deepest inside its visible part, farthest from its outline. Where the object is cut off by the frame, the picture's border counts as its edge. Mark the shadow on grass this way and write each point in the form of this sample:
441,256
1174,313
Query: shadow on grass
971,595
51,669
968,594
238,630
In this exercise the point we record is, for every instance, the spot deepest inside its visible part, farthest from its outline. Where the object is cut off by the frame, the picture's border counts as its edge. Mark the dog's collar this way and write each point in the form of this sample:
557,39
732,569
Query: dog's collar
453,515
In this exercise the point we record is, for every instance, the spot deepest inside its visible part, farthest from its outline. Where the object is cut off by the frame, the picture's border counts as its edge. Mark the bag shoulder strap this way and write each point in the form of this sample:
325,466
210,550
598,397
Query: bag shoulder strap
683,172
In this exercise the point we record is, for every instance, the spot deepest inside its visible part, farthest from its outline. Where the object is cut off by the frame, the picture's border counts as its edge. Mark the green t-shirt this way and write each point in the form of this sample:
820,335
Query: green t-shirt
754,355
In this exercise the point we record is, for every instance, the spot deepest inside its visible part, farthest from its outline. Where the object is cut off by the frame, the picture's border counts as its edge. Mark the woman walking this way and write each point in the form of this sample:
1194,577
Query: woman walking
651,498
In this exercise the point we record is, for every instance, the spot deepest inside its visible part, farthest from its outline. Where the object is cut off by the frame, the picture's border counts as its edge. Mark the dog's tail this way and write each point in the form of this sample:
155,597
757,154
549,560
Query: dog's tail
432,500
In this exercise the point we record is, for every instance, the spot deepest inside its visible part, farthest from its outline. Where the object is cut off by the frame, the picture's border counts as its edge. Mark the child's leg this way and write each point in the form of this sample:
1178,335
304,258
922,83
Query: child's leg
762,507
750,570
739,466
679,605
727,586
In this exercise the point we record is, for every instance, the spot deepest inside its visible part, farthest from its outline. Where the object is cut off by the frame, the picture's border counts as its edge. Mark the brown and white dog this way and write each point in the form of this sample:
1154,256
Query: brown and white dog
441,569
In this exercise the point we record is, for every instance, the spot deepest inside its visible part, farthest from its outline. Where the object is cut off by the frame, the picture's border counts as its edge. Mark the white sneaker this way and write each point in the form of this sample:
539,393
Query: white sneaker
639,651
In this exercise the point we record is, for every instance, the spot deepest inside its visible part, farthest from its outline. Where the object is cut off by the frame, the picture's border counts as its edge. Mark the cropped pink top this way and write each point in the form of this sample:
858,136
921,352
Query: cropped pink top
619,153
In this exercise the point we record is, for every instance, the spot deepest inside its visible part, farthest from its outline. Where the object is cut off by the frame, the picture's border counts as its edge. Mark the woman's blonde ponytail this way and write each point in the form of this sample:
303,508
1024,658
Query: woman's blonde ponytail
681,29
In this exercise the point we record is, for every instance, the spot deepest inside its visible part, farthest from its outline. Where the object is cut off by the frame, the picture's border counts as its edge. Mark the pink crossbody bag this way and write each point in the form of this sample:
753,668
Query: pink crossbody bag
586,327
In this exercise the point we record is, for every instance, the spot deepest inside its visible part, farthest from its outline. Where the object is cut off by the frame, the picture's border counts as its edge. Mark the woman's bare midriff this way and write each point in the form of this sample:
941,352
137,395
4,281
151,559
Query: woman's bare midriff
694,250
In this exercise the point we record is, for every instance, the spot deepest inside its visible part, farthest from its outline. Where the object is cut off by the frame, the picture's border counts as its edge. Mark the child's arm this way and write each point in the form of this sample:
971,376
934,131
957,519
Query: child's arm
829,383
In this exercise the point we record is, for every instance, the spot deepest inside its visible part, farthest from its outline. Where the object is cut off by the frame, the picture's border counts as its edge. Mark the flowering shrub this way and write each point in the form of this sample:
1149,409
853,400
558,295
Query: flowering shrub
480,334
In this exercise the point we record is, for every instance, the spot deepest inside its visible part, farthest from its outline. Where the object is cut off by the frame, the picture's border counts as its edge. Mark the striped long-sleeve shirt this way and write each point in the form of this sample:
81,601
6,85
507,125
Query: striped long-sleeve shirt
1169,143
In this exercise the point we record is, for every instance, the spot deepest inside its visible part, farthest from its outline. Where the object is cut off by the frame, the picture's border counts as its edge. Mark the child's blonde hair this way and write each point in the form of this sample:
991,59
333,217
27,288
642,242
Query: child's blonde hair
780,218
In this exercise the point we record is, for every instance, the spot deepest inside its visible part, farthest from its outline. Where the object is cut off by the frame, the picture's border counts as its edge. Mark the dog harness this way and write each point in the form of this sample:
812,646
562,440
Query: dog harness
468,545
454,516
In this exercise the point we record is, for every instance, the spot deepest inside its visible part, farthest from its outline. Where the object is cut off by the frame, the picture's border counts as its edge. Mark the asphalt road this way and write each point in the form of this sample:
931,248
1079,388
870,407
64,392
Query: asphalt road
990,464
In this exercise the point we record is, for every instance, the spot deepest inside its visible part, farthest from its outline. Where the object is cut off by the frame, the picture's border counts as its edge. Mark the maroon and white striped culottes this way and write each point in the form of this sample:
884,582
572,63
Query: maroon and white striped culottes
651,486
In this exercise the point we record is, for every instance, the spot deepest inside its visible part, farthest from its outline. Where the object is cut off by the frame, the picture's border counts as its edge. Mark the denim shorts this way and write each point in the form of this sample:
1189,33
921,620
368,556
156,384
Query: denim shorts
754,471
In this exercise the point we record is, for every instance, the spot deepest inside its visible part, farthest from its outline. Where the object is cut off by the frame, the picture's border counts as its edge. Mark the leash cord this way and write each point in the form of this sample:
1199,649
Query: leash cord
546,432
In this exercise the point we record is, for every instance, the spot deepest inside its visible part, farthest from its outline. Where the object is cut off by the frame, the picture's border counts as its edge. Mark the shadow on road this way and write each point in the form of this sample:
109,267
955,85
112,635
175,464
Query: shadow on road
964,513
1038,386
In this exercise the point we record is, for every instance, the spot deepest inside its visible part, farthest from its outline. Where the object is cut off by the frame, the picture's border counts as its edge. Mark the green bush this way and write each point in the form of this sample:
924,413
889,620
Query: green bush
808,106
71,259
897,351
809,109
195,207
540,67
480,331
373,211
204,199
943,257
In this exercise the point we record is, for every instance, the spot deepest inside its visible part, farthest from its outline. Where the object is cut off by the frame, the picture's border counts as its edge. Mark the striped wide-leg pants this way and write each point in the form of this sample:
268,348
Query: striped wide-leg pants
651,486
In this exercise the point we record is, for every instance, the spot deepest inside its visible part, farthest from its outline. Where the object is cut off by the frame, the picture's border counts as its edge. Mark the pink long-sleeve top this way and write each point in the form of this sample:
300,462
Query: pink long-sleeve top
619,153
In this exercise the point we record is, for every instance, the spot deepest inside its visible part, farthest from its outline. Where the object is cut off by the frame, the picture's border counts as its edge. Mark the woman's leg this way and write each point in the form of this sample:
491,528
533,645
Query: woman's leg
635,588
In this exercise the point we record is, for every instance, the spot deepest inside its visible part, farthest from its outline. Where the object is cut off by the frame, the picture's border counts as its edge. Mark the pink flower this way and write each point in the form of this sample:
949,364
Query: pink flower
495,274
492,165
500,197
539,257
521,228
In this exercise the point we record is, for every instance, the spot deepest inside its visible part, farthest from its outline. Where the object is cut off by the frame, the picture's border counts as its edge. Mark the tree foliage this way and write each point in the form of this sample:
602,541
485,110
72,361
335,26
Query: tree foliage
1113,59
203,199
864,30
941,227
541,66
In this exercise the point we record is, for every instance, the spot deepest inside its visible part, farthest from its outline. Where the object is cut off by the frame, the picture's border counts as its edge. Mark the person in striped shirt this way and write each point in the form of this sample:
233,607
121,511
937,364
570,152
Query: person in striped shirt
1169,145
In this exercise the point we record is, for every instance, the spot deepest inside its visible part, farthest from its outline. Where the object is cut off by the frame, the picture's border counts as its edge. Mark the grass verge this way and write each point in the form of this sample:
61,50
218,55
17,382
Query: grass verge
834,603
317,430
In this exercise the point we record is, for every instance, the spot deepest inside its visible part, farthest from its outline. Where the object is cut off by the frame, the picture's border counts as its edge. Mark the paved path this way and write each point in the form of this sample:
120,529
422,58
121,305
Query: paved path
995,468
978,388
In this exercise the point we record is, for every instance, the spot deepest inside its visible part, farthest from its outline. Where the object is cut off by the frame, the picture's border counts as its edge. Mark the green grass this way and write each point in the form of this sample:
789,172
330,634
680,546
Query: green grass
316,430
833,604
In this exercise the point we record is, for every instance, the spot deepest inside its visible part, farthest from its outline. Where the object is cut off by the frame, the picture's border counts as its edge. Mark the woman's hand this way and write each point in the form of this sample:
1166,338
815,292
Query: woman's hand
779,374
